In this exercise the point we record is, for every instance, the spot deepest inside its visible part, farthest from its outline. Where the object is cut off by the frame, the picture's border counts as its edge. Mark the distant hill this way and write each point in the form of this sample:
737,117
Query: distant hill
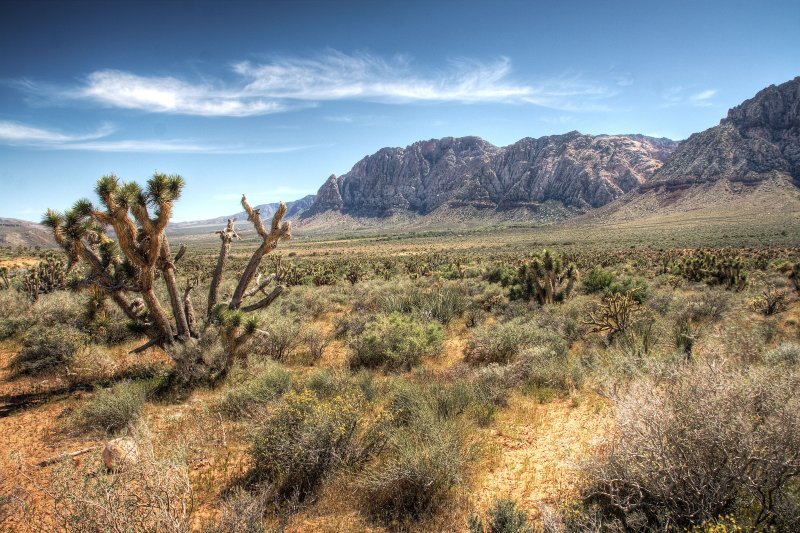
294,209
15,232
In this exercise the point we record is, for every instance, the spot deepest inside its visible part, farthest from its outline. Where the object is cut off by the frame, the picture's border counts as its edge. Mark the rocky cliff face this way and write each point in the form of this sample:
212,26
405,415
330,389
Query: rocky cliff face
578,170
757,140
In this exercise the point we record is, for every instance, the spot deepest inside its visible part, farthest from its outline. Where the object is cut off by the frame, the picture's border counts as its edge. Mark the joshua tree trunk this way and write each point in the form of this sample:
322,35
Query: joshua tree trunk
228,234
178,310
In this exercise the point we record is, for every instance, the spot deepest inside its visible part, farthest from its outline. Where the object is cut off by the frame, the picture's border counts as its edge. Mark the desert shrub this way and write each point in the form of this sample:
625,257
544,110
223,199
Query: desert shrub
351,325
443,303
504,516
316,342
787,354
281,339
152,495
326,383
112,410
505,275
61,307
491,384
417,471
703,444
636,287
544,367
303,440
597,280
488,298
396,342
47,347
257,391
501,343
770,301
16,313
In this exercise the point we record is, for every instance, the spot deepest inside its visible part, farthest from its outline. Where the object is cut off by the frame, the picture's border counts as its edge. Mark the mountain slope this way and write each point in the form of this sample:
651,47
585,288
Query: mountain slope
15,232
759,138
749,164
579,171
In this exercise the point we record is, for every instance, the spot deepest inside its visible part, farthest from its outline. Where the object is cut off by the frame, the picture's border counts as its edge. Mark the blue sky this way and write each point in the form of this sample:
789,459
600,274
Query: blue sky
270,98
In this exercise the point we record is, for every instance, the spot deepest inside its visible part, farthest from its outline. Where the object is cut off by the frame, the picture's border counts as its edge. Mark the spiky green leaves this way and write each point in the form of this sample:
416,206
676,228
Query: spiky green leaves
52,219
163,189
105,189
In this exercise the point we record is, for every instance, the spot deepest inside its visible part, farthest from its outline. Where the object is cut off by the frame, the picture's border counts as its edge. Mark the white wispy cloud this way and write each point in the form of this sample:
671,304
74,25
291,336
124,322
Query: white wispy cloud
703,98
16,133
171,95
284,84
177,146
678,96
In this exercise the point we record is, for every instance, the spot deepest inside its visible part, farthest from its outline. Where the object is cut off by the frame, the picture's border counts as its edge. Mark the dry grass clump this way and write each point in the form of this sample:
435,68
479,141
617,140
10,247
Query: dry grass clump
46,348
416,473
502,343
261,387
112,410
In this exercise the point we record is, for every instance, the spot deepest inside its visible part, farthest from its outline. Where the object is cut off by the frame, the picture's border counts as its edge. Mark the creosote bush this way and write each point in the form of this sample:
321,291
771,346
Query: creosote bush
303,440
418,470
396,342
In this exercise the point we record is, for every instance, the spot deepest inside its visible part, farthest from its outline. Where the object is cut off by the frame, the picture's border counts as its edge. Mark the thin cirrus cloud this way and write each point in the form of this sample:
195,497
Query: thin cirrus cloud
16,134
679,96
286,84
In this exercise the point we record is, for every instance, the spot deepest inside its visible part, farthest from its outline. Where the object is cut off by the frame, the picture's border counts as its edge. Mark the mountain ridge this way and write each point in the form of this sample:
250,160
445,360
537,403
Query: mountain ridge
579,170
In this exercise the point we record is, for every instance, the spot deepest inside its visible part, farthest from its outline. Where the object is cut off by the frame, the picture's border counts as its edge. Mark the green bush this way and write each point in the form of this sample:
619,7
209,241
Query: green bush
113,410
637,287
303,441
504,517
598,280
47,347
257,391
396,342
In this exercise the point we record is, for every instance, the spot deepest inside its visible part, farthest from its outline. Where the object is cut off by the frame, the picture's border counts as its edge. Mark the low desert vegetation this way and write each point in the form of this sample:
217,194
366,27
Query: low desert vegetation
404,379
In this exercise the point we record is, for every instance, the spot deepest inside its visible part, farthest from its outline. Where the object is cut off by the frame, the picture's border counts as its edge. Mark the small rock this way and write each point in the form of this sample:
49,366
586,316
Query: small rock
120,453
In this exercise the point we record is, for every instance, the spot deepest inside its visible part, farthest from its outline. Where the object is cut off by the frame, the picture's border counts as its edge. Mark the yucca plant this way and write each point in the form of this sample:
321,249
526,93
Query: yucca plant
126,269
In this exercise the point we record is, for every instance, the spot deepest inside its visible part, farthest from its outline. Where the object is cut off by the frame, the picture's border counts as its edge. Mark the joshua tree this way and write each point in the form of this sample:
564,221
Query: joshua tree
141,254
546,279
